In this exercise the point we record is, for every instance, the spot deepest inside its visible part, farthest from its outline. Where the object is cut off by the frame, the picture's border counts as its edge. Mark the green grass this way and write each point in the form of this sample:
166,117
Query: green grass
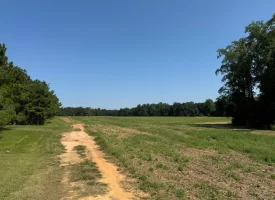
180,193
155,154
29,167
80,149
207,191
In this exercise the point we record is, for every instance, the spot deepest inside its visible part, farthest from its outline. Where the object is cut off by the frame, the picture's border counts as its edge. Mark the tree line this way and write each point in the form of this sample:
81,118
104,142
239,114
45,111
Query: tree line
23,100
207,108
248,70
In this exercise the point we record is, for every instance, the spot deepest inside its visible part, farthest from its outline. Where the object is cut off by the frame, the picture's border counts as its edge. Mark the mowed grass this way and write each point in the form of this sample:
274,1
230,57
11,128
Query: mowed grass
184,157
29,166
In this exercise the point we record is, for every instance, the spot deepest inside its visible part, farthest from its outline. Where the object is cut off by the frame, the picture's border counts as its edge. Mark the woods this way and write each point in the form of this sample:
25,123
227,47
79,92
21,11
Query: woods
161,109
23,100
248,70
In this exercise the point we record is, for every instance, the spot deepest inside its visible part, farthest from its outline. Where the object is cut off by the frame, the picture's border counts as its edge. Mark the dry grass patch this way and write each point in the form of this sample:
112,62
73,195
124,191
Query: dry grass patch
227,176
119,132
68,120
263,132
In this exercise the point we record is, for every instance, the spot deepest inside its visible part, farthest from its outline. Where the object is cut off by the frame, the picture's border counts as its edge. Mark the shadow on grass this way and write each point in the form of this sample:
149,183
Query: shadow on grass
223,126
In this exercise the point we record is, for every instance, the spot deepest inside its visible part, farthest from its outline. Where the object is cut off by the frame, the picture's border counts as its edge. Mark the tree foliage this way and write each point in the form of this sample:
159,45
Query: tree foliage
248,70
161,109
23,100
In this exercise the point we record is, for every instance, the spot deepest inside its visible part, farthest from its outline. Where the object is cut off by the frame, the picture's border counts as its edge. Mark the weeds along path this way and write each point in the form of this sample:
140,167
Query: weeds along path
110,174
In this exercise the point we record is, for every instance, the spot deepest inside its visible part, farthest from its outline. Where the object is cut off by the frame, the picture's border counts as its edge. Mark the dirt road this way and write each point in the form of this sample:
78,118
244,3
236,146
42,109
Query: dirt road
111,176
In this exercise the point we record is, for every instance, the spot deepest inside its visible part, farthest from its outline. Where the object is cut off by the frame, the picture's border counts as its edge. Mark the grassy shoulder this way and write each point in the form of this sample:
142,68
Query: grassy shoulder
29,167
181,157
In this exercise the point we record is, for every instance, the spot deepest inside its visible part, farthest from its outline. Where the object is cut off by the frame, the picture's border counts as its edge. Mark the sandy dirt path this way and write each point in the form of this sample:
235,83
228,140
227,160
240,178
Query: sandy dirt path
111,176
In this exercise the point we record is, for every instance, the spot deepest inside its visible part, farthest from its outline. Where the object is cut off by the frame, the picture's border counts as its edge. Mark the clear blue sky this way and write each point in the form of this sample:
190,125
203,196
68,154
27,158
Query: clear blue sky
113,54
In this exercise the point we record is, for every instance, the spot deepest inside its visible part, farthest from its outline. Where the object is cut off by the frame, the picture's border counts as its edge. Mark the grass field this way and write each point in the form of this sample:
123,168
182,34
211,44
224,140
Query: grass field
188,157
29,166
165,157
